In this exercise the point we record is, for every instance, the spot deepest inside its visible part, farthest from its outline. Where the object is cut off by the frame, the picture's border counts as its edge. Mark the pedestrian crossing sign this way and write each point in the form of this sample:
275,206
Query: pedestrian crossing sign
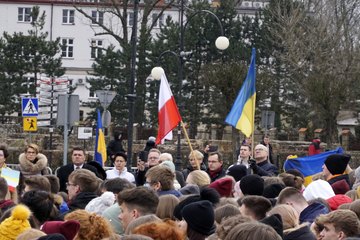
30,107
30,124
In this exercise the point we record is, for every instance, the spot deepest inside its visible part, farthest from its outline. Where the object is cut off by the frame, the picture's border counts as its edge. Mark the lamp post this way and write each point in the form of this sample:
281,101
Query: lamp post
131,96
221,43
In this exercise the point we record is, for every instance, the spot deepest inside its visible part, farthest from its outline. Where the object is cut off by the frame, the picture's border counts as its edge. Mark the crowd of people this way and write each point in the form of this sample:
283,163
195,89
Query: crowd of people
251,199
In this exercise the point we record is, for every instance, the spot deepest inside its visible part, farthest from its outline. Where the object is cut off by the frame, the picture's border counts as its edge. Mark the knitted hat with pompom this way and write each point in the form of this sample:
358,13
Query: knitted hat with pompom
17,223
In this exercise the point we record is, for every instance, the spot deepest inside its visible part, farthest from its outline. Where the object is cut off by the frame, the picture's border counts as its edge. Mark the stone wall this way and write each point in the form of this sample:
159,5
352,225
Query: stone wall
17,140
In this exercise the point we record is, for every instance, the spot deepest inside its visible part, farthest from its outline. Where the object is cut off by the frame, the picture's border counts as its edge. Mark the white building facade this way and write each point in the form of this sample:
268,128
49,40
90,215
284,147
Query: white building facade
78,33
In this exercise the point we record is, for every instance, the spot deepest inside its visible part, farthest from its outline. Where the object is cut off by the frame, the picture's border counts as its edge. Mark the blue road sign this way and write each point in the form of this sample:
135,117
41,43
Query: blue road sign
30,107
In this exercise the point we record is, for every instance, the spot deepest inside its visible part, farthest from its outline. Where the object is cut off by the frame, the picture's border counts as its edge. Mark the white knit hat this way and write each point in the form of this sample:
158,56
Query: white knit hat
318,189
99,204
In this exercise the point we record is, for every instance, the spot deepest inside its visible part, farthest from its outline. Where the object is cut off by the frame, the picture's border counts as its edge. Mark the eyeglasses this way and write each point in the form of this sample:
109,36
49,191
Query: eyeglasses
150,183
213,161
77,154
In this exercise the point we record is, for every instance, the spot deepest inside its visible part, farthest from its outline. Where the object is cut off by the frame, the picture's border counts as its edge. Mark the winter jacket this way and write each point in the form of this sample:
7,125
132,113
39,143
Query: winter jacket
189,169
312,211
266,169
314,147
36,167
301,233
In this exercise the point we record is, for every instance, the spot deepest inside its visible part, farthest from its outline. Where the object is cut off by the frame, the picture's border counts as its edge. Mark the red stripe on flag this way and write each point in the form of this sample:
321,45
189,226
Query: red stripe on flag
169,117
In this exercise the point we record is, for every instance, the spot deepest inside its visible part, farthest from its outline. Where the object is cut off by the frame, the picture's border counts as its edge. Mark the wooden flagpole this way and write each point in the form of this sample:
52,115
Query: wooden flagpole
191,148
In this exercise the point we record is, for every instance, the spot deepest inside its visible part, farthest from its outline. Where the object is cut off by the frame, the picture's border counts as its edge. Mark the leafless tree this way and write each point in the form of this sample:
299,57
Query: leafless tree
321,51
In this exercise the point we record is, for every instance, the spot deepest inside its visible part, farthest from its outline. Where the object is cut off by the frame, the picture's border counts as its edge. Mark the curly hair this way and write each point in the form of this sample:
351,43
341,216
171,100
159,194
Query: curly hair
92,226
167,230
227,224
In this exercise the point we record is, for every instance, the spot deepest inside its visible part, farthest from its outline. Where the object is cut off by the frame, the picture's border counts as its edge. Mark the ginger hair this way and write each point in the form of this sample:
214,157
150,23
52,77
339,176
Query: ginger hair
167,230
92,226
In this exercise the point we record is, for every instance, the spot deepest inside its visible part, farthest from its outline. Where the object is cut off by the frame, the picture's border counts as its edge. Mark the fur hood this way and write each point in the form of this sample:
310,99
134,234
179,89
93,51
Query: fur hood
29,168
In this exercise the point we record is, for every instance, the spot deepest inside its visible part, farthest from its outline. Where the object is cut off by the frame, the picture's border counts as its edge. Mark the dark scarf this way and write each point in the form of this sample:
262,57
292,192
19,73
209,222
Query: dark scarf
213,174
6,204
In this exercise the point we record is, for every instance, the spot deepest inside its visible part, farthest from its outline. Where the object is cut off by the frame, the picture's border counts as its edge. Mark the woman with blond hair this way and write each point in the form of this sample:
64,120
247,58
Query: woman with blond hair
32,162
92,226
195,161
291,228
198,177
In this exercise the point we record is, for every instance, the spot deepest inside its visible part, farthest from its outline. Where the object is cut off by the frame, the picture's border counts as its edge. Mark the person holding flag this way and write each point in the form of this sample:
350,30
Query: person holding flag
242,117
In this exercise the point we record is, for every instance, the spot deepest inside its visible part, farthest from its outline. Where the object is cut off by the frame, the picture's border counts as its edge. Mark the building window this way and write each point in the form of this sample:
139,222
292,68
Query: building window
68,16
67,47
97,17
96,48
24,14
131,19
92,94
81,115
158,22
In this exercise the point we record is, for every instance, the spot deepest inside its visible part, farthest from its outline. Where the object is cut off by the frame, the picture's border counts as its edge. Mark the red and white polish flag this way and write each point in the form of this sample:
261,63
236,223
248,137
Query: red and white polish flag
168,115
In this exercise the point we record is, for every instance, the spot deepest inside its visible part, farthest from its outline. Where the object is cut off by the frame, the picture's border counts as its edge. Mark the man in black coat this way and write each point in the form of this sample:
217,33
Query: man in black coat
261,165
78,157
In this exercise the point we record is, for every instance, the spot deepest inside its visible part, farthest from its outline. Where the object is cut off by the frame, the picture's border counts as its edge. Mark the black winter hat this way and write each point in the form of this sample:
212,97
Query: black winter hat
275,222
336,163
252,185
237,172
200,217
273,190
206,193
178,208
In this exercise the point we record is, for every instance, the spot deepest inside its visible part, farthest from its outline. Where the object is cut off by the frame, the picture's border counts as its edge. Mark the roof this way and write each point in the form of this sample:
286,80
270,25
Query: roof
349,121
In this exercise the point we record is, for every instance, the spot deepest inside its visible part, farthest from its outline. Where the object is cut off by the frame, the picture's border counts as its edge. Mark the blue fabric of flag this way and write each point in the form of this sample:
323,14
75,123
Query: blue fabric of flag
242,113
100,146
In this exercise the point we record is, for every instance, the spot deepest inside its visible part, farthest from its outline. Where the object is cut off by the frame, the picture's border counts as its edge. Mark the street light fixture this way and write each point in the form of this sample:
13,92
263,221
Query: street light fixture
221,43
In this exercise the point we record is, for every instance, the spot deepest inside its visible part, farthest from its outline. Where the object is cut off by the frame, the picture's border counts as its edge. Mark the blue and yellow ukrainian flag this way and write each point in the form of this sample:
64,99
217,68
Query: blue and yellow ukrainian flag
242,113
310,165
100,146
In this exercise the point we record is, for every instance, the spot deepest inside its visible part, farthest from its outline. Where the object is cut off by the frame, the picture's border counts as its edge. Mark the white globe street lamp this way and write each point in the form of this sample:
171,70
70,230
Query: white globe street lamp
222,43
157,72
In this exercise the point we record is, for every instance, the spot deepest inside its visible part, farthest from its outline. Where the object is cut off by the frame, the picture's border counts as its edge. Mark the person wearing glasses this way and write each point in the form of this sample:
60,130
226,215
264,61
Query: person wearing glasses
215,166
261,164
82,185
32,162
78,157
